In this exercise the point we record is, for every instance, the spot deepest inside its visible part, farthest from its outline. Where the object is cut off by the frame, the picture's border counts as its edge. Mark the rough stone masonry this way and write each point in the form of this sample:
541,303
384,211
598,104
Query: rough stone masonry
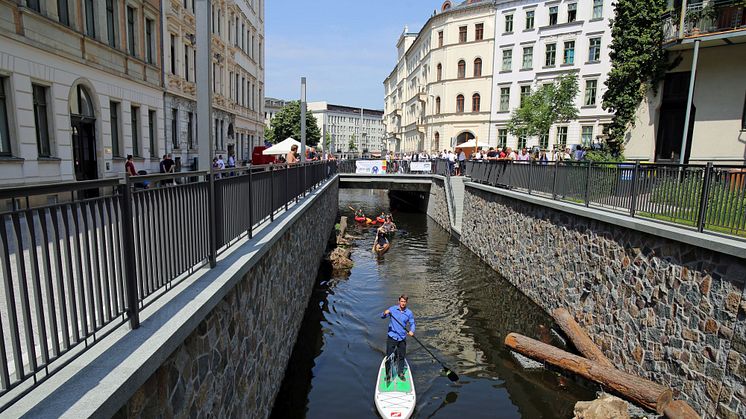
668,311
232,365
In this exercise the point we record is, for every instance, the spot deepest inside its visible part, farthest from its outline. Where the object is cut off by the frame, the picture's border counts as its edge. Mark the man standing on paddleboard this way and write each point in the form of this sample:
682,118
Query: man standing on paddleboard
401,318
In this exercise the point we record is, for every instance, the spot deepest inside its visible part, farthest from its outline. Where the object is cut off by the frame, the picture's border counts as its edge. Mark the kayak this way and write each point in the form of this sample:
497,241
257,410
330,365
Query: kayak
360,219
381,220
383,249
395,398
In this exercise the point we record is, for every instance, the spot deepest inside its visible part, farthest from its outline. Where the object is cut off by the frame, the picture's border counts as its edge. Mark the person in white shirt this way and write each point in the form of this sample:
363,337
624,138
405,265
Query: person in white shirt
221,163
524,156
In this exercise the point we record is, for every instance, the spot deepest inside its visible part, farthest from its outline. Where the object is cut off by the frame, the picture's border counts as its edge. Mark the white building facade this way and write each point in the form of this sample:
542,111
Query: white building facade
80,89
438,94
345,126
271,107
539,41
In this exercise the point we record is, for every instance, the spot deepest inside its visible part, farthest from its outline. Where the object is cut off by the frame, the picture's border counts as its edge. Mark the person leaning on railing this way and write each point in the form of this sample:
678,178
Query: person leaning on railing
293,155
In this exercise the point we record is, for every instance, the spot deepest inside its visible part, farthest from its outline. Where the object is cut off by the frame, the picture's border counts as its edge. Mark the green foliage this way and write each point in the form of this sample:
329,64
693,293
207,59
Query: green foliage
352,145
604,155
328,142
638,62
287,124
551,103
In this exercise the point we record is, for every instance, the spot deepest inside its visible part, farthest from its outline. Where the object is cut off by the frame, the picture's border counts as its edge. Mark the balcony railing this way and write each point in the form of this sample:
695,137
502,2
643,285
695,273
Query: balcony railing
703,18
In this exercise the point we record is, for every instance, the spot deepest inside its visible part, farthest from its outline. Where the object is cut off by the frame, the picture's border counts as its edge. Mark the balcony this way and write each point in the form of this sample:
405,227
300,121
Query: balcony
422,95
708,20
421,125
398,112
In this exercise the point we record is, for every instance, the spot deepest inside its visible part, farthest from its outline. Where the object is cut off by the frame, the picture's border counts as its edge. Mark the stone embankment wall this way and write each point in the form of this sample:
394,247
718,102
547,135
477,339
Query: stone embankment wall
232,365
672,312
437,206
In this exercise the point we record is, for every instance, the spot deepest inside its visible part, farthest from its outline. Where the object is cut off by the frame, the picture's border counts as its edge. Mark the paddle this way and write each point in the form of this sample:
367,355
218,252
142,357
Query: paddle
449,373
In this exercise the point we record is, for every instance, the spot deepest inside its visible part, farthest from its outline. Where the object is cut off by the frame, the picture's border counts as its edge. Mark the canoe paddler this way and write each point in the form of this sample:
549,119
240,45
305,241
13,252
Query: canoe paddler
396,339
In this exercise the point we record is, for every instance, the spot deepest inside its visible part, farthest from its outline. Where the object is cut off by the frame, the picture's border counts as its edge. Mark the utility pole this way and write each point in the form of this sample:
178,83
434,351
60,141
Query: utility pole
204,84
303,119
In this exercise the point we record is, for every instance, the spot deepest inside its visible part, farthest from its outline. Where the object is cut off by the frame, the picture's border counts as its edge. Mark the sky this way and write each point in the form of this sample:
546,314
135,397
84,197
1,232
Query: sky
344,48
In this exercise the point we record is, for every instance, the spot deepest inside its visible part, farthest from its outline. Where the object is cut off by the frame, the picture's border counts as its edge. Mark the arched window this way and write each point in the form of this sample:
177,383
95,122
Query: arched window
478,67
460,103
475,102
446,6
439,71
437,105
461,69
437,141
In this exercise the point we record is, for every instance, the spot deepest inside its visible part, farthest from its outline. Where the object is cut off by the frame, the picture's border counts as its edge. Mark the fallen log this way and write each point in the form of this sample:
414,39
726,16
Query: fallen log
679,409
643,392
579,337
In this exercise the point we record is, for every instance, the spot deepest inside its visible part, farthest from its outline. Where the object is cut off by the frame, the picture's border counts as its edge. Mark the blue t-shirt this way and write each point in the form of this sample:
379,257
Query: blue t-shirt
406,318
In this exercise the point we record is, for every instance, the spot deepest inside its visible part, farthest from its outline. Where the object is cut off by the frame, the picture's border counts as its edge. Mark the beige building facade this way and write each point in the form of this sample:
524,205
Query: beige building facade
80,88
438,94
237,78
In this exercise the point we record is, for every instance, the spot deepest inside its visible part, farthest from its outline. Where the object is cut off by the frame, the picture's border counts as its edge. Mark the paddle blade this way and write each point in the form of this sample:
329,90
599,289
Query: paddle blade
451,375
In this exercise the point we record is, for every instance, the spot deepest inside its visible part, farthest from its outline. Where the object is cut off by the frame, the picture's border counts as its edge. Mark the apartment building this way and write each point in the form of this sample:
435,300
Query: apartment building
348,126
271,107
80,89
237,78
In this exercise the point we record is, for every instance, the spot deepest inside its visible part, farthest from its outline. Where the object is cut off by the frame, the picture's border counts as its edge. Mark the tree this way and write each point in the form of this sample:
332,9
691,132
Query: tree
287,124
352,145
638,64
328,142
550,104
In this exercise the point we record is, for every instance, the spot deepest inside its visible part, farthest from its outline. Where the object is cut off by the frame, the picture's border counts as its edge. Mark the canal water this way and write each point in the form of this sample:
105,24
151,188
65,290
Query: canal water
463,310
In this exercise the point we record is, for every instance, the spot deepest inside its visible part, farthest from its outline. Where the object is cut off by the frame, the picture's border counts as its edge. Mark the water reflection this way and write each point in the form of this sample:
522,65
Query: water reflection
464,310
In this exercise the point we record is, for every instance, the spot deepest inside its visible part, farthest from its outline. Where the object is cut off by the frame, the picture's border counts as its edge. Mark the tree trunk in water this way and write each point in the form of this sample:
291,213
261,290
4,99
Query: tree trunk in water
643,392
679,409
579,337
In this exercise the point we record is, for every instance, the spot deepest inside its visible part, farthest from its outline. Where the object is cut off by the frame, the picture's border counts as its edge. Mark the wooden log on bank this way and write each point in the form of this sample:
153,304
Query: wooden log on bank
579,337
643,392
679,409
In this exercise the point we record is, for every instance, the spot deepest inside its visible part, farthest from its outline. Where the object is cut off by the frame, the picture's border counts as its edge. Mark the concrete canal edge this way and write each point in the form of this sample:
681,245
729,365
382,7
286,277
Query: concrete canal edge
218,345
662,302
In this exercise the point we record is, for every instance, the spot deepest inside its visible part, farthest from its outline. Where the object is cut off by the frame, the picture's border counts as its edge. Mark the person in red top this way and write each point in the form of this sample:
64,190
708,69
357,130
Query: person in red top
129,166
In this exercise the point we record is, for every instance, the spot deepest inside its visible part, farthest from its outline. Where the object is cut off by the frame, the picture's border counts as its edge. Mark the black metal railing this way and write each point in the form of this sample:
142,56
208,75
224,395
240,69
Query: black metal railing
703,197
75,269
704,17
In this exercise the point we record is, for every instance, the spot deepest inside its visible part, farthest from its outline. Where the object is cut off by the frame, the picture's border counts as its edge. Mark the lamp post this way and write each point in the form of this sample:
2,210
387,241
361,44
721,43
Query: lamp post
303,119
204,84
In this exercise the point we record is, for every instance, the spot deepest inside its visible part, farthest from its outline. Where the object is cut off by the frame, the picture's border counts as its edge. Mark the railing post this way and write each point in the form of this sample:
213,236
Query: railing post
635,176
287,186
305,166
251,205
212,221
554,180
128,250
530,171
588,184
704,197
272,193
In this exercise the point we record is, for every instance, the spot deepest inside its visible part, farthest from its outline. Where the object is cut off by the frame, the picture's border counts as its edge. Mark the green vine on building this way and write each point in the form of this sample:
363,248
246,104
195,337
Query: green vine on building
638,64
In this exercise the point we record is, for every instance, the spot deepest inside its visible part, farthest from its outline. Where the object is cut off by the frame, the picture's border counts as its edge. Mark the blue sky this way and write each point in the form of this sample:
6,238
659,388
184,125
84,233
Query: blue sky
345,48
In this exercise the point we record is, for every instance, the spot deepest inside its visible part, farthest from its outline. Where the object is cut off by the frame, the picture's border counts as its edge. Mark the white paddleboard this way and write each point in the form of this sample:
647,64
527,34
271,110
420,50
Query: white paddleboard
395,398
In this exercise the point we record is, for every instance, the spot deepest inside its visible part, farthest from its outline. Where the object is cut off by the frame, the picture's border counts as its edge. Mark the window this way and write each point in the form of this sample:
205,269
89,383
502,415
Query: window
90,19
544,141
34,4
460,103
521,142
437,105
529,19
63,12
475,102
590,92
41,119
116,149
440,39
149,42
111,22
572,12
569,56
461,69
508,23
5,149
437,140
553,12
586,136
528,58
190,130
478,67
598,9
134,117
152,133
174,128
562,136
504,99
462,34
525,91
507,60
479,31
594,50
131,47
173,54
186,62
502,138
439,72
551,55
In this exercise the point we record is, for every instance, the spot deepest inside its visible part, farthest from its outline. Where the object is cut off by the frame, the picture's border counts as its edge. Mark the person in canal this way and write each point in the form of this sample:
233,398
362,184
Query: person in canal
396,339
381,244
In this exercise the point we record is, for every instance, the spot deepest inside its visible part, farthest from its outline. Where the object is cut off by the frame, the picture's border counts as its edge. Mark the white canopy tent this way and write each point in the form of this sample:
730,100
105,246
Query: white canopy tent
469,144
282,148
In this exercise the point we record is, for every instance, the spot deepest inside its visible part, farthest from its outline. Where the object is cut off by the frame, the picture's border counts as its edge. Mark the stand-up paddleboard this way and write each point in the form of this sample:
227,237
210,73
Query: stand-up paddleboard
395,398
